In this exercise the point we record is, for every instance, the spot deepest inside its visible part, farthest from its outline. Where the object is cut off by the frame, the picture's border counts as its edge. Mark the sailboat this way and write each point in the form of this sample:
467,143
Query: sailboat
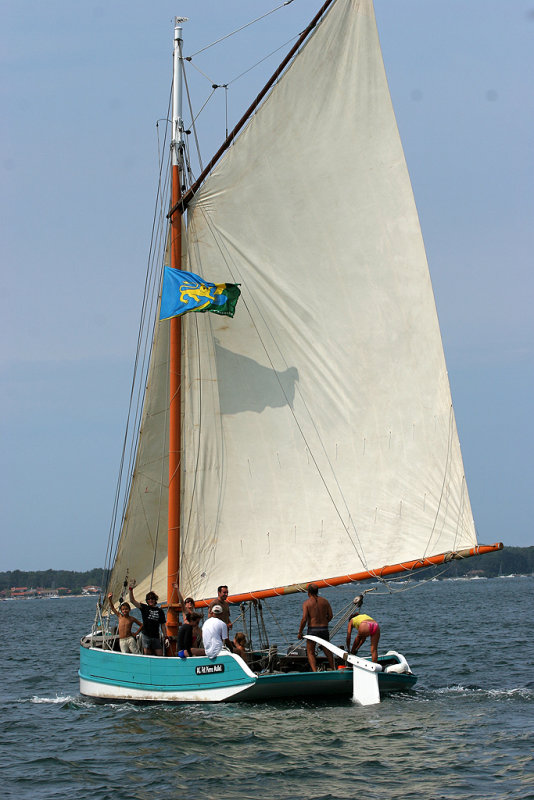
311,437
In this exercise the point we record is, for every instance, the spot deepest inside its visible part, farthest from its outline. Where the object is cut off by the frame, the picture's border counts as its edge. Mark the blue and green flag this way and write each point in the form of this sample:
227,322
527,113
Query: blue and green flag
184,291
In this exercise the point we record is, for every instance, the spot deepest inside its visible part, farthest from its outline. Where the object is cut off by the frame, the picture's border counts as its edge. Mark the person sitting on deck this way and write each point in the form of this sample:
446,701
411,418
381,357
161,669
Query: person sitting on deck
127,640
317,612
215,632
188,607
185,640
366,626
153,619
240,641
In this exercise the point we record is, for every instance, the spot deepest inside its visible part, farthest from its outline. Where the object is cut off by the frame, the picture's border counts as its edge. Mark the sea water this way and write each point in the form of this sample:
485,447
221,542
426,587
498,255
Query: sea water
466,731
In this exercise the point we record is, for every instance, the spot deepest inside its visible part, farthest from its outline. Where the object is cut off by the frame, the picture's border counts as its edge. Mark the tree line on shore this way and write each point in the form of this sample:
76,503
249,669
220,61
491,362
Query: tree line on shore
51,579
510,561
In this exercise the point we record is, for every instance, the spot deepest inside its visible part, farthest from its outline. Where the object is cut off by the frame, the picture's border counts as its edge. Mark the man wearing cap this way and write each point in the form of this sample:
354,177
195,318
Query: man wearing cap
215,632
222,601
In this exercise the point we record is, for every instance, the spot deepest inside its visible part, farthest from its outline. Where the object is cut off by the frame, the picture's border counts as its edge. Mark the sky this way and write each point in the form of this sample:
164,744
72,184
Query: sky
83,85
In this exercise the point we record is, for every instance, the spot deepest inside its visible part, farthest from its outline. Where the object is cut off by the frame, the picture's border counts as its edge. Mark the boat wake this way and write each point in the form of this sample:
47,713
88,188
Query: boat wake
519,692
57,700
65,701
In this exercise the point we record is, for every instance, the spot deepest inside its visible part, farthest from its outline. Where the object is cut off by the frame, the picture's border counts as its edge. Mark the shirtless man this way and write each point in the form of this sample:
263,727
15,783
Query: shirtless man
127,641
317,612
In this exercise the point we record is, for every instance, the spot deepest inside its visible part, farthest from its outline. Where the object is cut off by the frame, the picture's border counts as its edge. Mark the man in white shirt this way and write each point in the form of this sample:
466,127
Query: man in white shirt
215,632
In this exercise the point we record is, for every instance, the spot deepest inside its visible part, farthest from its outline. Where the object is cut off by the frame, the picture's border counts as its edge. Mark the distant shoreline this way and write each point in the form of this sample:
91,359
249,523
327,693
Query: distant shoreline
410,579
58,597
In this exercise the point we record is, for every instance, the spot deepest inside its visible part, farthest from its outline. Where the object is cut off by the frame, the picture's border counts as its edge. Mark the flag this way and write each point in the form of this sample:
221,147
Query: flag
184,291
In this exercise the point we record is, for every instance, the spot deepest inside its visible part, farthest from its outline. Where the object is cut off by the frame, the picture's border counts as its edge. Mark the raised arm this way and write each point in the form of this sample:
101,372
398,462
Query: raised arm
110,599
180,599
132,598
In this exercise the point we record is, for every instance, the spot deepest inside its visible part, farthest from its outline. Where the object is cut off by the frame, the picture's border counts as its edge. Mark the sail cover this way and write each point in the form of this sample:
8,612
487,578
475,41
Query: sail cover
319,434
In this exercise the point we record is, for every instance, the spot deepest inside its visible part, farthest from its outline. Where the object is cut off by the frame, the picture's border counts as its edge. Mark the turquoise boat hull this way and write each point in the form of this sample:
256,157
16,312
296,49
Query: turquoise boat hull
109,675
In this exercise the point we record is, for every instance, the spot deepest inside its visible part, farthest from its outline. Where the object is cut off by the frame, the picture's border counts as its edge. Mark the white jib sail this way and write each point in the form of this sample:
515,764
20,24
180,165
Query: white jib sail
142,549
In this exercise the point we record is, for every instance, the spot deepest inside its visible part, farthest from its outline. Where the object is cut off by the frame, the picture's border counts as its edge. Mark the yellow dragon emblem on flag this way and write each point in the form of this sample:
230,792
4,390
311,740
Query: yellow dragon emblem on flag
196,292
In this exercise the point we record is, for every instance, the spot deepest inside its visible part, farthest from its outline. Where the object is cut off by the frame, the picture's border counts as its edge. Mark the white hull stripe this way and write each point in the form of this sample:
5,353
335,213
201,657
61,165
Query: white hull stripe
109,692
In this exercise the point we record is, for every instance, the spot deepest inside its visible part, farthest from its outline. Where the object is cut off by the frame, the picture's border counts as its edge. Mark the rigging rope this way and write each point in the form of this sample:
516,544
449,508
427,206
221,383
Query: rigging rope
187,165
215,85
242,28
272,53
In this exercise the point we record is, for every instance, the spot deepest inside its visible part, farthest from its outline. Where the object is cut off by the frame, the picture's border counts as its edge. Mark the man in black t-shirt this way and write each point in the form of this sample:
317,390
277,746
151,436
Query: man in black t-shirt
153,619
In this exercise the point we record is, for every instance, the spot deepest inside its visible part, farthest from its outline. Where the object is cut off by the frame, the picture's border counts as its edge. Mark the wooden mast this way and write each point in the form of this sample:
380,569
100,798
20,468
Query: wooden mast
175,366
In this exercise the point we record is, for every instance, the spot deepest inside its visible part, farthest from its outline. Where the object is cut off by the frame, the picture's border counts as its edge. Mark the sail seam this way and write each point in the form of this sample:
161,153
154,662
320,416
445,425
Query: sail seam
445,474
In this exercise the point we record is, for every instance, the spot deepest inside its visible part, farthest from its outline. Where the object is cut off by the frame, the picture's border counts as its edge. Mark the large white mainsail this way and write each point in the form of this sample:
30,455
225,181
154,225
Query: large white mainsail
319,436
